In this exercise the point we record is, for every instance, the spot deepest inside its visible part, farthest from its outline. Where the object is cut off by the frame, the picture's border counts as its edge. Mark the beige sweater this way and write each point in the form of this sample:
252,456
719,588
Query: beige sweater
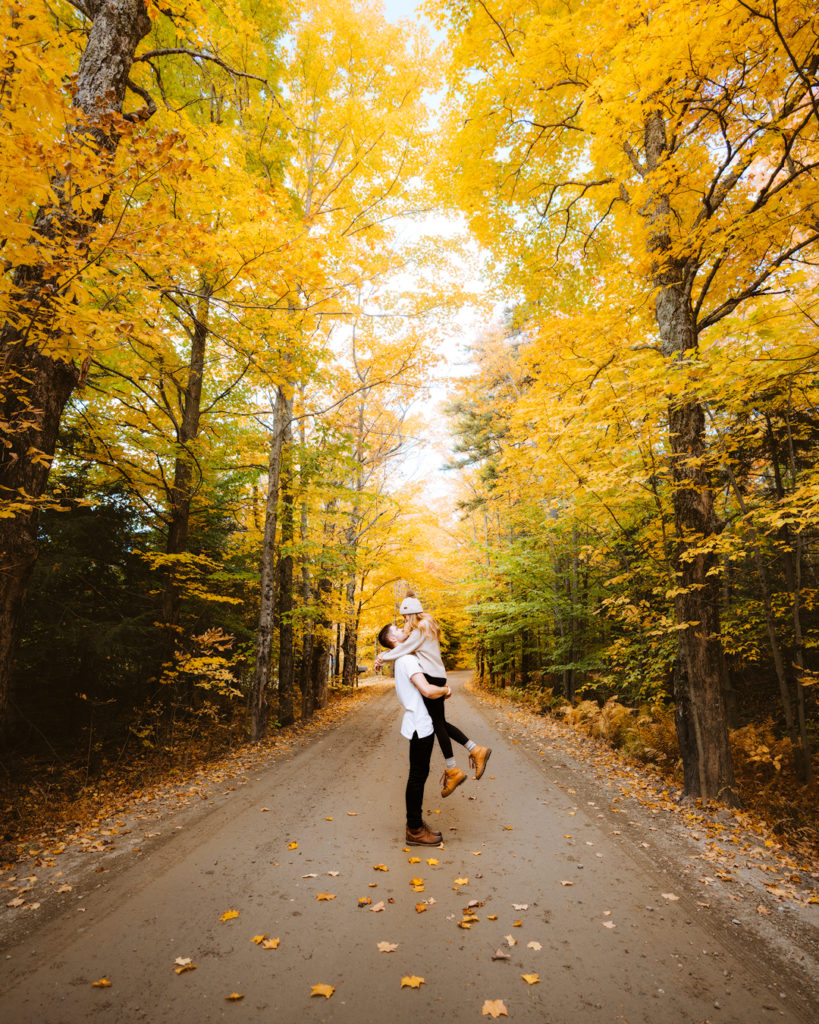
425,648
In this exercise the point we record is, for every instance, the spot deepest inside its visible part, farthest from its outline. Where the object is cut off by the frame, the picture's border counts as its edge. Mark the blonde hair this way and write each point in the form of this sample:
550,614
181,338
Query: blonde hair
425,622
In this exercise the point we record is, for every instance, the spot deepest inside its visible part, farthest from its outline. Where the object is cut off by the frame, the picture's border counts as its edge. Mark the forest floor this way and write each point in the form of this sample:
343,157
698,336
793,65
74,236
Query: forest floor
570,887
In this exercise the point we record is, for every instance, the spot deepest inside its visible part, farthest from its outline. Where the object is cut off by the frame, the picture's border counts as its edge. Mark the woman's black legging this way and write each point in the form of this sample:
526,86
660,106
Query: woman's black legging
444,730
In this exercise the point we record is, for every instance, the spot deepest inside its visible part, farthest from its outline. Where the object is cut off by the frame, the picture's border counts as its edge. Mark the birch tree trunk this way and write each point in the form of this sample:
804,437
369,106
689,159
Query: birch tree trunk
35,386
267,572
286,652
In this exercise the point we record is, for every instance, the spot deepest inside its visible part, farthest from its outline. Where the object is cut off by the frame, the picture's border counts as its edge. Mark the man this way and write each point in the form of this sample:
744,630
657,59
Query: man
416,725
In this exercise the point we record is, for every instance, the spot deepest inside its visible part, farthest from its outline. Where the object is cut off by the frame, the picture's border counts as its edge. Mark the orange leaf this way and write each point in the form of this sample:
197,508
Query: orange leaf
326,896
234,997
229,915
420,908
322,990
412,981
494,1008
531,979
270,944
259,939
102,983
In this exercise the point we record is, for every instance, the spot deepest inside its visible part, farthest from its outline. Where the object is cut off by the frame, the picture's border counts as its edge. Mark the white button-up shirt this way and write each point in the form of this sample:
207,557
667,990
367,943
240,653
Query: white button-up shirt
416,717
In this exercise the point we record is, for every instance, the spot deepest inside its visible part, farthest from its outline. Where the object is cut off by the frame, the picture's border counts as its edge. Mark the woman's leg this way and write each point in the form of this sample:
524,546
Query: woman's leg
439,723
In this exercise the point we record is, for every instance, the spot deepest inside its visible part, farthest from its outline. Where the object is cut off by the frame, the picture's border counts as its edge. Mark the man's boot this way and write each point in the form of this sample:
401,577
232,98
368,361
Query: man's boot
478,756
451,779
422,837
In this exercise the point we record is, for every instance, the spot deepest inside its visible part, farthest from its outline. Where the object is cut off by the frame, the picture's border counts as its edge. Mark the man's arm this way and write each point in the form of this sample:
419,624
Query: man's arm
427,689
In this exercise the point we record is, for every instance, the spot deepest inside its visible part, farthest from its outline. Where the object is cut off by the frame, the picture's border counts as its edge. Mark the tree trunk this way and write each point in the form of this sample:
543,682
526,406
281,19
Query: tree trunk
35,387
350,644
286,652
181,493
697,604
267,573
320,668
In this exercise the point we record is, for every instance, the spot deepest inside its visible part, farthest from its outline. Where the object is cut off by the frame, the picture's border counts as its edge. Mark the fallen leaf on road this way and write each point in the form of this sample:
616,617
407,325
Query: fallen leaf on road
520,906
500,954
414,860
476,853
380,867
270,944
494,1008
333,874
229,915
352,814
531,979
184,967
420,908
517,924
328,819
376,907
265,809
17,902
258,939
234,997
387,947
431,861
511,940
412,981
533,945
65,888
608,924
416,881
372,885
669,896
491,917
507,828
322,990
461,881
102,983
760,909
364,901
565,881
464,924
326,896
292,846
311,875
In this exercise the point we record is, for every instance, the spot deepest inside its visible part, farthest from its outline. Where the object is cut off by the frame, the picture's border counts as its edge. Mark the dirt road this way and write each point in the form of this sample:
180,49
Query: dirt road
564,888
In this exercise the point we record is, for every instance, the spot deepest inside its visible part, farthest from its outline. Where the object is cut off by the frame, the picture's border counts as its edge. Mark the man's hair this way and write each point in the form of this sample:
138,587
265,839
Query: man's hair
382,636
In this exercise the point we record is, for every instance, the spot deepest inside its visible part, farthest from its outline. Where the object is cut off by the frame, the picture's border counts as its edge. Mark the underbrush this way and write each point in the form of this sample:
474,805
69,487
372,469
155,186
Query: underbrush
764,762
47,791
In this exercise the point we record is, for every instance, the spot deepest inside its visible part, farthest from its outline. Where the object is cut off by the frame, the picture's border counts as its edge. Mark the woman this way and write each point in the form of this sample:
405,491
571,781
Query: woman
423,640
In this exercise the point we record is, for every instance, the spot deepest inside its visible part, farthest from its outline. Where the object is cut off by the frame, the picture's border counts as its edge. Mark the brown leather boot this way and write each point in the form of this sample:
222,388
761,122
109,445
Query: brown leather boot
478,756
451,779
422,837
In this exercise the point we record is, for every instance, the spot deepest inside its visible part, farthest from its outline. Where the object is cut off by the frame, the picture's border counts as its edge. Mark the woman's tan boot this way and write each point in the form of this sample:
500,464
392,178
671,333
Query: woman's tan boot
451,779
478,756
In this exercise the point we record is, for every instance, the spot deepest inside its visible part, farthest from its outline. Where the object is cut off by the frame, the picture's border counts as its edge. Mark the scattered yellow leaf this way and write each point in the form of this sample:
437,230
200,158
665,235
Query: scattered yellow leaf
292,846
387,947
416,881
412,981
184,967
461,881
464,924
533,945
229,915
420,908
531,979
328,819
669,896
322,990
234,997
102,983
432,861
565,881
364,901
325,896
494,1008
372,885
517,924
270,944
380,867
259,939
414,860
491,917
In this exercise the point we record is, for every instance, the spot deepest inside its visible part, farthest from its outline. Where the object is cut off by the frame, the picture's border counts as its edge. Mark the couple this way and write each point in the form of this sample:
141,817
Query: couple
420,685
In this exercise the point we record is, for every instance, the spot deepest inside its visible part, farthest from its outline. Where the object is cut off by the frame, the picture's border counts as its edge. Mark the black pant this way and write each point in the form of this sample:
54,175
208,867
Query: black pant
444,730
420,751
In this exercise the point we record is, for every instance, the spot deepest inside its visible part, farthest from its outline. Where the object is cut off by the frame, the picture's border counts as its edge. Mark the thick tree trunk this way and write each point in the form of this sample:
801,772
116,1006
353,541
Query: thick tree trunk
181,492
286,651
697,603
267,573
320,669
36,387
349,646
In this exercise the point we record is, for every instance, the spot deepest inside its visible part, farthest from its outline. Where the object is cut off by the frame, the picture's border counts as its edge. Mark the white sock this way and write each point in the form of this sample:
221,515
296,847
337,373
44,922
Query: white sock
451,763
471,744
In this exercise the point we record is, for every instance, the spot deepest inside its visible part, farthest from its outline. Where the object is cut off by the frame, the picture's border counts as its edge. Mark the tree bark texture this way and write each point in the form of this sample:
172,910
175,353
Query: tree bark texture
34,386
182,489
268,574
286,650
320,670
697,604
